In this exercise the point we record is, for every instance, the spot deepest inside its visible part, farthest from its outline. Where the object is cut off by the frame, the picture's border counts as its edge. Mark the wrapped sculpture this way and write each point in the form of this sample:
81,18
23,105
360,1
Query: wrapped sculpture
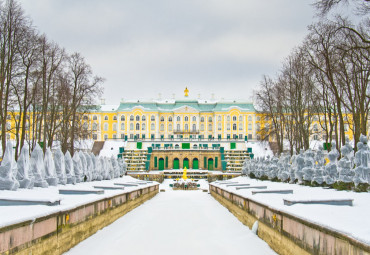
8,170
37,167
24,175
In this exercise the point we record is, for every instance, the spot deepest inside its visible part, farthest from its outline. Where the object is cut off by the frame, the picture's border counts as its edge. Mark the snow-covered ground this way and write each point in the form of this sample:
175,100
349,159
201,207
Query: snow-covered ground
175,222
350,220
14,214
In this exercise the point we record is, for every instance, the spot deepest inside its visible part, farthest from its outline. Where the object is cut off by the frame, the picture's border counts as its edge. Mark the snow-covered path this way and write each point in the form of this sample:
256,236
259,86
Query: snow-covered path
175,222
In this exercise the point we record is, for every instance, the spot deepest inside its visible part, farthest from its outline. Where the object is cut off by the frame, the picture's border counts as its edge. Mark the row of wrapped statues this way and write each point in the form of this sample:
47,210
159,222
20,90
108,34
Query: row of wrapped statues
41,170
310,166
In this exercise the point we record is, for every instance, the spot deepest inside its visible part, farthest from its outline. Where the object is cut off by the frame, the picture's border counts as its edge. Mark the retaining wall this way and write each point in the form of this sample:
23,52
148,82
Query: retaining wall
57,233
285,233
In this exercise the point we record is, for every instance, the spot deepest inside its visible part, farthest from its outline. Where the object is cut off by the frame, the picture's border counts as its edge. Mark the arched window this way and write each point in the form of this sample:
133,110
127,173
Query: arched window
85,126
228,118
152,126
202,119
249,126
115,117
162,127
202,127
210,127
105,126
143,118
114,126
152,118
209,119
178,127
240,126
234,118
186,118
170,127
137,126
105,117
94,126
240,118
234,126
194,127
132,117
162,118
178,118
123,118
219,127
95,117
194,118
105,137
137,118
143,127
315,128
131,126
122,126
186,127
228,126
170,119
219,118
249,118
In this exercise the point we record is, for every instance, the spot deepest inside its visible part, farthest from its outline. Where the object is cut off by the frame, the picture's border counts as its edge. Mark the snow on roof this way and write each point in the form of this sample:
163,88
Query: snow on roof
109,107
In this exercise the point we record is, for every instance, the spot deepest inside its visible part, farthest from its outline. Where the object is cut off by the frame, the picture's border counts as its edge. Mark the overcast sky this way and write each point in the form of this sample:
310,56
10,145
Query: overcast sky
145,47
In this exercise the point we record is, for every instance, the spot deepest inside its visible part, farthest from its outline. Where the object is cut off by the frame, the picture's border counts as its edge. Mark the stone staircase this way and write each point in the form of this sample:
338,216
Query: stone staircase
135,159
235,159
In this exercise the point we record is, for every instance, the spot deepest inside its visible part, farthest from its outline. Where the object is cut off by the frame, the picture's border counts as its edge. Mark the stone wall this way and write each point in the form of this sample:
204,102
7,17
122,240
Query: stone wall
285,233
57,233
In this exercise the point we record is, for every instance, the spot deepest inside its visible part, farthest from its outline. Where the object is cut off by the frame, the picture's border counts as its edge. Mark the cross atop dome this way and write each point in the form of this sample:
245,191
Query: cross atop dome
186,91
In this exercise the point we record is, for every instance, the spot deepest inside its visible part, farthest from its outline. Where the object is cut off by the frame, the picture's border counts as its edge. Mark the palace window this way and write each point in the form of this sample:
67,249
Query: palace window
249,118
249,126
194,118
105,126
132,117
228,126
95,117
219,118
186,127
240,118
209,119
162,127
95,137
162,118
202,127
170,127
234,118
105,136
228,118
219,127
122,136
94,126
131,126
210,127
143,127
178,127
240,126
137,118
315,128
152,126
105,117
170,119
114,117
114,136
152,118
137,126
186,118
234,126
114,126
202,119
123,118
122,126
258,127
178,118
143,118
194,127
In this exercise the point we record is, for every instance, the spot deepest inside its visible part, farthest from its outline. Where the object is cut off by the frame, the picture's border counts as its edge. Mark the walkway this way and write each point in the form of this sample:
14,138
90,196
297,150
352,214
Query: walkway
175,222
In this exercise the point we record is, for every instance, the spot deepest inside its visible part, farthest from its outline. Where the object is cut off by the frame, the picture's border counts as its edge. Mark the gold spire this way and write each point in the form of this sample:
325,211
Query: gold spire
186,91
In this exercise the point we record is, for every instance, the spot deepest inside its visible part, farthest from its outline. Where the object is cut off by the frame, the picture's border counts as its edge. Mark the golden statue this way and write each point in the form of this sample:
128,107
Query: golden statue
186,91
184,174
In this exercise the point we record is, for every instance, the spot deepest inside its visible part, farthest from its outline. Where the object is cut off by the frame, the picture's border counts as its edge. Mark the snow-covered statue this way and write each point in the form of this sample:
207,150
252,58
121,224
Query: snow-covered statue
71,177
299,167
361,161
50,173
273,169
344,165
94,174
309,165
89,167
77,167
8,170
122,166
244,168
318,175
293,168
365,158
331,171
60,167
115,166
109,168
83,161
285,168
104,167
98,169
24,175
37,167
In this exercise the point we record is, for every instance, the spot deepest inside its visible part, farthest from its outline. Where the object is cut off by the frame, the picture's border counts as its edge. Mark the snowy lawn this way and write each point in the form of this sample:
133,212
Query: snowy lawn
350,220
176,222
15,214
